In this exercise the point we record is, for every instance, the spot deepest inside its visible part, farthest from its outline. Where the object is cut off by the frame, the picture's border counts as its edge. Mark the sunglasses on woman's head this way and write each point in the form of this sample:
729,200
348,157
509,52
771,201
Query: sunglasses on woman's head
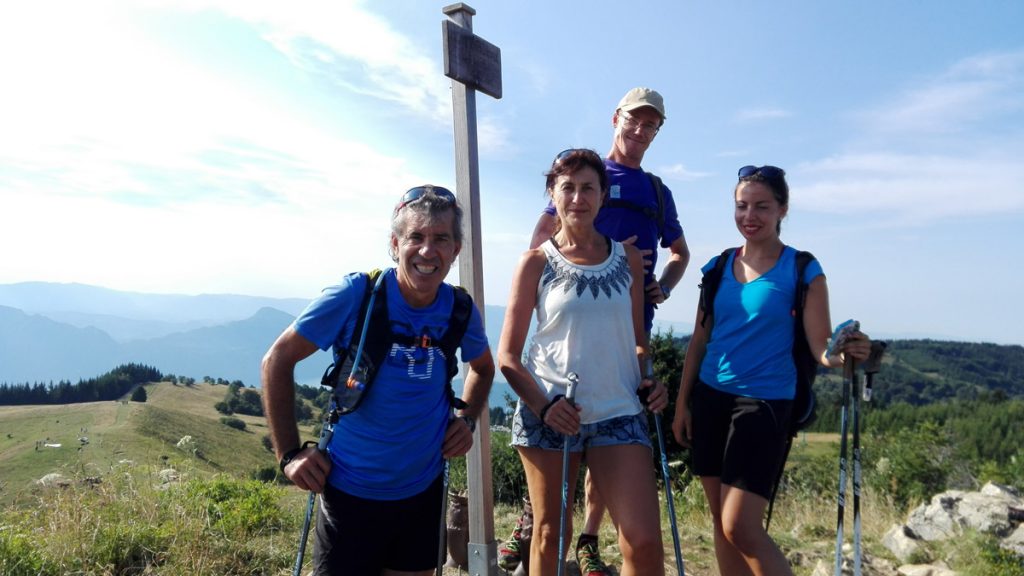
570,151
766,171
414,194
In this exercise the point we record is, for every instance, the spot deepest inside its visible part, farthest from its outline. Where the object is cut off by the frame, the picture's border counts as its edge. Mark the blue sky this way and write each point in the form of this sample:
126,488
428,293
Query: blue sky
258,147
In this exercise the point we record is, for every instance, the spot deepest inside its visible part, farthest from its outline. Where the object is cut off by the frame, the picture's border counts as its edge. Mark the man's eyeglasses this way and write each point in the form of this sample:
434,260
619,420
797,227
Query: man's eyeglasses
767,171
630,123
414,194
590,154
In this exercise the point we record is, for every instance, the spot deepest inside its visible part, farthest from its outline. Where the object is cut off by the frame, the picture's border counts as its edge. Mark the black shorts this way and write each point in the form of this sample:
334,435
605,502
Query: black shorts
740,440
360,537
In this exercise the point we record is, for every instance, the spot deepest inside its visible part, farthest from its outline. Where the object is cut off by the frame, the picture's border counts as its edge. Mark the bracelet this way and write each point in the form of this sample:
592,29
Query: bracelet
291,454
544,410
469,422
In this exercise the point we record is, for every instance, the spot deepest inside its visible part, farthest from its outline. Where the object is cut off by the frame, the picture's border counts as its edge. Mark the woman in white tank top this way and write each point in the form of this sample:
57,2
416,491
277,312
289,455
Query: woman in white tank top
587,294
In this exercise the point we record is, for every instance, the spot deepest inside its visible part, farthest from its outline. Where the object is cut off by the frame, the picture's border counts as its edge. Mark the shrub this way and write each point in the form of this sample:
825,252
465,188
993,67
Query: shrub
912,465
266,474
19,555
232,422
128,548
139,394
238,508
509,478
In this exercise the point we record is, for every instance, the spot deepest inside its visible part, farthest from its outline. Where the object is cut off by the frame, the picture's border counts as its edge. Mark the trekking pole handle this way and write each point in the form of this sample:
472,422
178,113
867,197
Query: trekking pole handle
570,392
645,393
871,367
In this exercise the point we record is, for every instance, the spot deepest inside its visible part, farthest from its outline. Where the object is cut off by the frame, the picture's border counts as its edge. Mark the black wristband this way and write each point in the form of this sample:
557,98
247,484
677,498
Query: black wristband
291,454
471,422
544,410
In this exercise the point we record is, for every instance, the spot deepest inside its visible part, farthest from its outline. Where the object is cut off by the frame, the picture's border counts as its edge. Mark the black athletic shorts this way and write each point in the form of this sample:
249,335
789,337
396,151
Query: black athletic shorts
738,439
360,537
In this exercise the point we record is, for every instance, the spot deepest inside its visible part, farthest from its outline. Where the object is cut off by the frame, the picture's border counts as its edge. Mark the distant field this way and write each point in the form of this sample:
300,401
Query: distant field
124,434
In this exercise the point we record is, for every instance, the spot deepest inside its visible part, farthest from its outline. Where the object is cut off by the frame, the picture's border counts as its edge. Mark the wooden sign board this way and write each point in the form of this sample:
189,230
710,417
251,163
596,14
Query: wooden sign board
471,60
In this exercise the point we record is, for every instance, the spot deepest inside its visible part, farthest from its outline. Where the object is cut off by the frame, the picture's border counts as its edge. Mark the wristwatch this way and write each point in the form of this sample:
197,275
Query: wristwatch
665,290
469,422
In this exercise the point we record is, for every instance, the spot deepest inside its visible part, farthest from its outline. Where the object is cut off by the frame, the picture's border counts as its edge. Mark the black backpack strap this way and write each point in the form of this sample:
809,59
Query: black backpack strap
458,323
648,212
659,193
709,284
379,337
803,259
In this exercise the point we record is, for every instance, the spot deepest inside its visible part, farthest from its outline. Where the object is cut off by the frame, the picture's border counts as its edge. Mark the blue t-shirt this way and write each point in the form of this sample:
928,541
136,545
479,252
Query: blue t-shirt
751,348
390,447
635,186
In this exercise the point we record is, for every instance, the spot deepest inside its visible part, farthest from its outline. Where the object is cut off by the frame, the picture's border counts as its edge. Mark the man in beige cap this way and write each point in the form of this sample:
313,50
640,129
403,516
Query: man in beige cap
640,207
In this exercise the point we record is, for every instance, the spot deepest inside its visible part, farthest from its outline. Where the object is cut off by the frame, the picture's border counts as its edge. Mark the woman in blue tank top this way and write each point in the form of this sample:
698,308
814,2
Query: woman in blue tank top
739,378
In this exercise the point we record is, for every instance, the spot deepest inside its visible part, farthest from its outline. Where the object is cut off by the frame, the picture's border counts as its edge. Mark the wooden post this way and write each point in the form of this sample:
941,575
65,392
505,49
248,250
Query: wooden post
471,63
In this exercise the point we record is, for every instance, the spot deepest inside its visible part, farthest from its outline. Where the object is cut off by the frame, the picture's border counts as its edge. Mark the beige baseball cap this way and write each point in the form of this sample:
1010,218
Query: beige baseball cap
640,97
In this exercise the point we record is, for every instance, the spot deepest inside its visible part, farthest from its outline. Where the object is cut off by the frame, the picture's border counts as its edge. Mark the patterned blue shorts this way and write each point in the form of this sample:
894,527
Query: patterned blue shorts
528,431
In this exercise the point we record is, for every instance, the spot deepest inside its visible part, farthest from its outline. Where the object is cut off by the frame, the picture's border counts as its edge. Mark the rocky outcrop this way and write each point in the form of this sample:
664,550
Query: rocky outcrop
995,510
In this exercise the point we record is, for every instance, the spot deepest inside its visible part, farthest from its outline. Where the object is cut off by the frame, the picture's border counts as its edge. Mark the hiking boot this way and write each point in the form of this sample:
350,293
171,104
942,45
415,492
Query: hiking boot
511,553
589,557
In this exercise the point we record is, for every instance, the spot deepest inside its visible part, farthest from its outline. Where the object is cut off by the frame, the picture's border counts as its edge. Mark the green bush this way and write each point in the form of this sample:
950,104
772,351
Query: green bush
231,422
128,547
19,555
237,507
139,394
912,464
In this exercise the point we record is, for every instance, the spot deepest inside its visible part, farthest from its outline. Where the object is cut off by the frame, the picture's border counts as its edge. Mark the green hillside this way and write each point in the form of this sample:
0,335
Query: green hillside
122,434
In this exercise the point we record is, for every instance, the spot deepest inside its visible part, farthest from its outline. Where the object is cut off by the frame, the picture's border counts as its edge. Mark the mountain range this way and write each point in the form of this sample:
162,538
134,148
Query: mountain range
53,332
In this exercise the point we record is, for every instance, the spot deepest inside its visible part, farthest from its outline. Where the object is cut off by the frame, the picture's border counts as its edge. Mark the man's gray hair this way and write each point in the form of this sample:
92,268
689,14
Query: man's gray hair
433,206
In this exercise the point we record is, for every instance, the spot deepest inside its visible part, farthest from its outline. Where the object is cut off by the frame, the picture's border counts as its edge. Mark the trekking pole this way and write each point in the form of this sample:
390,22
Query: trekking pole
570,397
844,425
441,537
856,474
871,367
325,439
644,393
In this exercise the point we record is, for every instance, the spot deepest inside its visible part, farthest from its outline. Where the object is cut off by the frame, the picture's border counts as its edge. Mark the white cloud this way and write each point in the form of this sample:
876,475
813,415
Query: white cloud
902,188
347,45
681,173
947,147
970,92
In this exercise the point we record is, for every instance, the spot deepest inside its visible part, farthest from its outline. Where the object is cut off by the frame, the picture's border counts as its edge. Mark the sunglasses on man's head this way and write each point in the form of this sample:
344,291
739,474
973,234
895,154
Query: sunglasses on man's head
590,154
766,171
414,194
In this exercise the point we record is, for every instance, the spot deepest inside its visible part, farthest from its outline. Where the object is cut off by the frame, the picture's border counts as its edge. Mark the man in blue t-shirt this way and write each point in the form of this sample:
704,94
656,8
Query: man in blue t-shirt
385,458
633,211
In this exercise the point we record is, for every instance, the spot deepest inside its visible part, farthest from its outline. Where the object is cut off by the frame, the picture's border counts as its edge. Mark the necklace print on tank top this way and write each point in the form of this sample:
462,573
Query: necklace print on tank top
559,271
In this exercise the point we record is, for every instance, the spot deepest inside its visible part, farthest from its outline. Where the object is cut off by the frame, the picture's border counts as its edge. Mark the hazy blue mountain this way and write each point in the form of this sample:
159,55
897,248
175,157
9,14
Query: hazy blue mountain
124,329
231,350
52,298
34,348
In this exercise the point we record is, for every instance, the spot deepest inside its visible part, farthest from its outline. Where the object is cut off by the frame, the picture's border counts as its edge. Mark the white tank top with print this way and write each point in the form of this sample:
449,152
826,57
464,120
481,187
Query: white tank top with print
585,325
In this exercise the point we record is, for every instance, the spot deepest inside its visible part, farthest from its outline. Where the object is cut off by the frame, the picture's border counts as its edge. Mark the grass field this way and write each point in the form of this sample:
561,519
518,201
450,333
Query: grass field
133,517
140,433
